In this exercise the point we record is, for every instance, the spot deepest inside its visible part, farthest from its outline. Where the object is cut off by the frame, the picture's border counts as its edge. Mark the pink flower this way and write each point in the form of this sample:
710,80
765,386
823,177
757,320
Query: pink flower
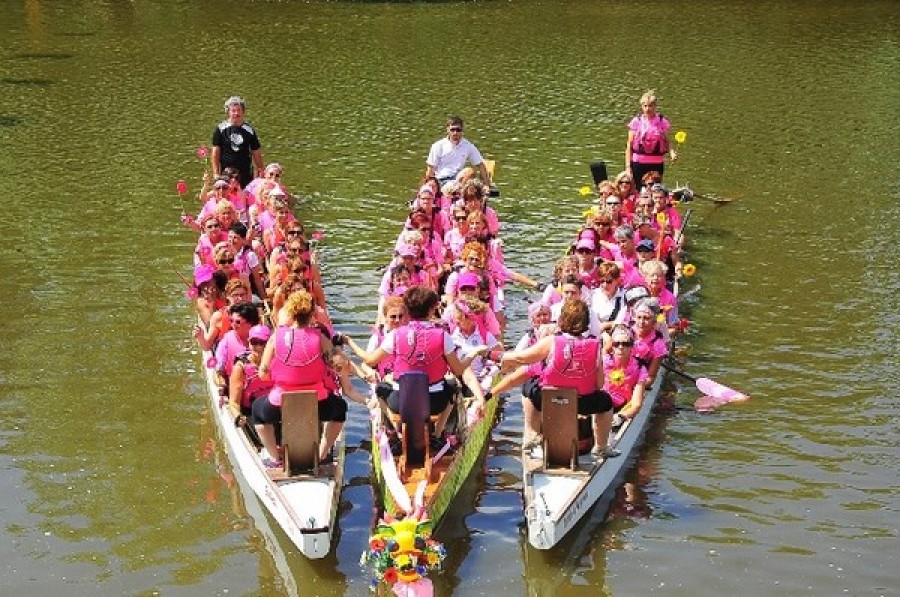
211,363
202,152
317,235
187,220
181,187
191,293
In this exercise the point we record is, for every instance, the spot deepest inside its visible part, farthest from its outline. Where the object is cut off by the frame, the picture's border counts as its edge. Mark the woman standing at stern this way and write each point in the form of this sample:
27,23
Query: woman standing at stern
648,141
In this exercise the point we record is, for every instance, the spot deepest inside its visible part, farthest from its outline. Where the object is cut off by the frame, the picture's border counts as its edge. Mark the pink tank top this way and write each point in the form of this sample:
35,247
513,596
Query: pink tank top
419,346
254,387
298,363
619,381
572,364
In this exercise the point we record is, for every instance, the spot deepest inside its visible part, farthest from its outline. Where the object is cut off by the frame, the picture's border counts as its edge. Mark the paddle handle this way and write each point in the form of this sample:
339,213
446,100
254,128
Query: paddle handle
679,372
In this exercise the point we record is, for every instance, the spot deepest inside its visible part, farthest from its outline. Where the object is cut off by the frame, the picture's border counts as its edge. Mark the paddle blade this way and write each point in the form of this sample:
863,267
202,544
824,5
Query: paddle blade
598,172
715,395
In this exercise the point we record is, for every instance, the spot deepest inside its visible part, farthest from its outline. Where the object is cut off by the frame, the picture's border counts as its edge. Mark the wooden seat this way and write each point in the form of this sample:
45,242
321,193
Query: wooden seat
414,411
559,410
300,432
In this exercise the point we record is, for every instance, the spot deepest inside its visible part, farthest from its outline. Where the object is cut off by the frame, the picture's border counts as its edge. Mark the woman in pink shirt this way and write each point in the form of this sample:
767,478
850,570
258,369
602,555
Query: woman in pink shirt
648,141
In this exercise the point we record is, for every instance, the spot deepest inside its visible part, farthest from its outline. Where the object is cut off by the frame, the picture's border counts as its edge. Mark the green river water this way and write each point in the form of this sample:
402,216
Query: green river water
113,480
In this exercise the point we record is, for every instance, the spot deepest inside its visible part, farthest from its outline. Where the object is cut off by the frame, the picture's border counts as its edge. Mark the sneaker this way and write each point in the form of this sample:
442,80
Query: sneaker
608,452
618,421
537,452
273,464
396,445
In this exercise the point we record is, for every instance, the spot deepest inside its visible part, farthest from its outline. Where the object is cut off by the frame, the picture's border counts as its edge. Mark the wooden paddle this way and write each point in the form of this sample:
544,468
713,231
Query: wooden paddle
715,394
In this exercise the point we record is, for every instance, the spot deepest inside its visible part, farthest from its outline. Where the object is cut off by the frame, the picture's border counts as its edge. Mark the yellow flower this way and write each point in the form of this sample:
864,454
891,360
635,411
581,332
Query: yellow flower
660,318
433,558
616,376
661,219
681,137
689,269
585,191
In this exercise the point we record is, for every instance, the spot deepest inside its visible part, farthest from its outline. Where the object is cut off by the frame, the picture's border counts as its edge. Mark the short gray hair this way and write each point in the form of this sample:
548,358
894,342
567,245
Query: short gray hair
624,231
235,100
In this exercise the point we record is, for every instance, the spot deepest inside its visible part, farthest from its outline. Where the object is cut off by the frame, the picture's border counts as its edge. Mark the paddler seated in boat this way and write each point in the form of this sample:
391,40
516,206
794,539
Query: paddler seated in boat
447,157
422,345
650,346
236,292
654,273
393,315
470,335
236,341
208,288
292,284
571,360
626,379
573,288
245,386
296,359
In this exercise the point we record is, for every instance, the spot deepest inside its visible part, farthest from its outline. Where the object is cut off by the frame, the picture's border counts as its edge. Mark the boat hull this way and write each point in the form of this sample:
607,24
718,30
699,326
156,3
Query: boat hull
305,507
556,500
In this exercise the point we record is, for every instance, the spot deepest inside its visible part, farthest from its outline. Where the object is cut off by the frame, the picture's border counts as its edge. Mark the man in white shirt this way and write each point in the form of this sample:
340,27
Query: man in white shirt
448,156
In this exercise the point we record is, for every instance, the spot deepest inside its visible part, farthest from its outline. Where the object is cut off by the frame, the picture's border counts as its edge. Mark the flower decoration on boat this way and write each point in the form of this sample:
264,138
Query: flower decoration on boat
188,220
683,324
680,137
585,191
181,187
317,235
192,293
211,363
661,318
617,377
202,152
401,554
689,269
661,219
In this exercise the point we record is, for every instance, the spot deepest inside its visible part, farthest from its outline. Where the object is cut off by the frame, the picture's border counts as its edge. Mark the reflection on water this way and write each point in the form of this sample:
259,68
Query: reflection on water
115,476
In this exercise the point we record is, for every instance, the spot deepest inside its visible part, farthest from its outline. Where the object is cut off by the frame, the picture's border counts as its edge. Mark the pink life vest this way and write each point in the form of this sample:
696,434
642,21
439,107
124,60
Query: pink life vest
572,364
632,372
419,346
254,387
298,363
650,138
230,348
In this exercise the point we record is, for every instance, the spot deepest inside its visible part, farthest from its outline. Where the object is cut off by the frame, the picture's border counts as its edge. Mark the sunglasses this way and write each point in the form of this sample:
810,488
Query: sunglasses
213,225
624,344
465,288
225,261
584,251
395,317
460,218
238,321
608,280
614,203
294,232
455,129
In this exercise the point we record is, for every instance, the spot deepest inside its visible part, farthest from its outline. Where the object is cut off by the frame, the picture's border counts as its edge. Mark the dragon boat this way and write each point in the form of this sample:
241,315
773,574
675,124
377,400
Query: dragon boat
302,497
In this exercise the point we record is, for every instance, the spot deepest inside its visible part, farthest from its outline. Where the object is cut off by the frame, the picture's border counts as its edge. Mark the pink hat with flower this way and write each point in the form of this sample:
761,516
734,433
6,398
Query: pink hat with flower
203,274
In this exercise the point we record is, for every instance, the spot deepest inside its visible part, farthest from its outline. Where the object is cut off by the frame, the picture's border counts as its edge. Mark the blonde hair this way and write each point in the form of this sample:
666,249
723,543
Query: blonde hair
225,206
649,97
299,306
654,265
234,284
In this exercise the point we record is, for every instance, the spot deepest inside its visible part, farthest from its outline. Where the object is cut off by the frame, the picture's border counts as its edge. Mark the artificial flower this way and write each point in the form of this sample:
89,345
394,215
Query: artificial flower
689,269
390,576
202,152
181,187
680,137
211,363
616,376
585,191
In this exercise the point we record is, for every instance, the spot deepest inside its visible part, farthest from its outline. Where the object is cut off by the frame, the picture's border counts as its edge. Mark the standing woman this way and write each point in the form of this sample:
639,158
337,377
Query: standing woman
235,143
648,141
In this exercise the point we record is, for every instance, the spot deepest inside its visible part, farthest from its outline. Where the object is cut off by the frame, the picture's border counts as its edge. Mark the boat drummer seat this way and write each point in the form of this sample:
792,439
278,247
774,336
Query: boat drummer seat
414,411
300,432
559,410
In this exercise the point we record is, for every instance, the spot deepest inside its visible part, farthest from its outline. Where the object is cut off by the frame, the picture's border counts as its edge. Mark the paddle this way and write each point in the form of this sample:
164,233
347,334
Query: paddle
715,394
598,172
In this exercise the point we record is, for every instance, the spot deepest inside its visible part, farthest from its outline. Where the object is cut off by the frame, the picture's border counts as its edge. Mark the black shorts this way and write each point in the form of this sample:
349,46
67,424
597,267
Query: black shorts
438,400
332,408
588,404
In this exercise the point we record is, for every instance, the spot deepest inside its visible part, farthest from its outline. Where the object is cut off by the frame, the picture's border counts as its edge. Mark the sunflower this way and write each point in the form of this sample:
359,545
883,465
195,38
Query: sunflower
681,137
585,191
689,269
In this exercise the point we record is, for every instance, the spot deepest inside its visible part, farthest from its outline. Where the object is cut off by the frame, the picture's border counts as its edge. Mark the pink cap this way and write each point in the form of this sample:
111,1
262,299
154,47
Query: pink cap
585,243
260,332
534,308
203,273
468,279
407,250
